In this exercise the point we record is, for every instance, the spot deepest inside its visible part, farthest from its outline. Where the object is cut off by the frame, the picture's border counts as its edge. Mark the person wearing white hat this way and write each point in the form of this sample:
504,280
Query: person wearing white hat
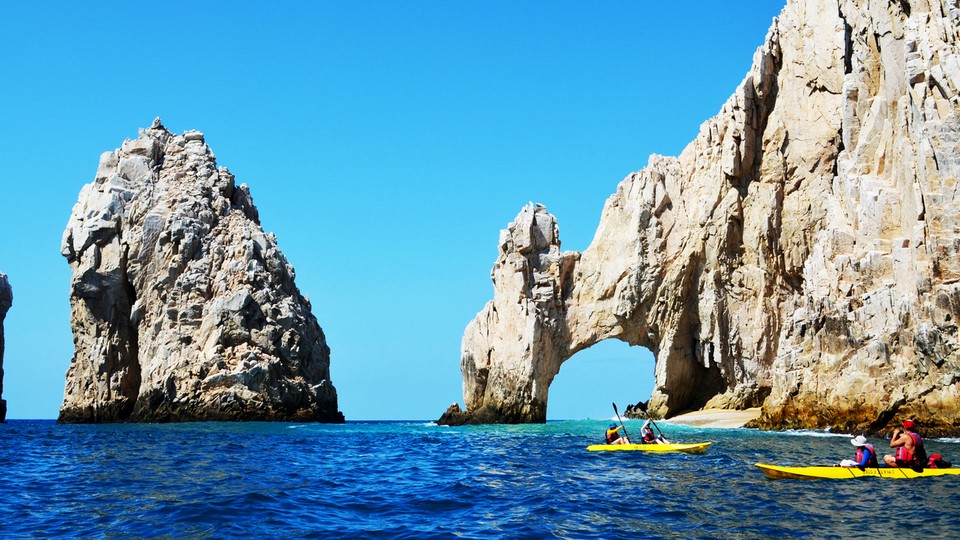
866,455
649,437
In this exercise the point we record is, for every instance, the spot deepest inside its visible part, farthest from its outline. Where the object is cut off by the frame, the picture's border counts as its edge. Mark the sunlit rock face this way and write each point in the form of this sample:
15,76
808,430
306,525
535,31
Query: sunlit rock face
182,308
800,254
6,300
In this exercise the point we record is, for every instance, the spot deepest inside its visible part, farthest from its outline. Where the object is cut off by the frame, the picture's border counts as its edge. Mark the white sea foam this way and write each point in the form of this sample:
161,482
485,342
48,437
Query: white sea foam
812,433
949,440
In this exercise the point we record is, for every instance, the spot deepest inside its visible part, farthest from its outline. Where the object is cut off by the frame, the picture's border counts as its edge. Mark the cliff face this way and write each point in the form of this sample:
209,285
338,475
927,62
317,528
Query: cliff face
6,300
800,254
182,308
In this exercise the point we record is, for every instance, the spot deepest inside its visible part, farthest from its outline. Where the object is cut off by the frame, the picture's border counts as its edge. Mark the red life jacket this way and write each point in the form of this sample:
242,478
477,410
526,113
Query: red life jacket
919,452
904,455
871,460
648,436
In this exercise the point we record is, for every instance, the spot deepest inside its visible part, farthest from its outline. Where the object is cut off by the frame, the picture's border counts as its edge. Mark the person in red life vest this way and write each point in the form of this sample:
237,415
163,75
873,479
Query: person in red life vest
613,438
909,447
648,436
866,455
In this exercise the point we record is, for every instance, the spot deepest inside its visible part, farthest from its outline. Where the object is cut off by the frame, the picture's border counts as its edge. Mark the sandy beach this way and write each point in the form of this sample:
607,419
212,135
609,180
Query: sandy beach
717,418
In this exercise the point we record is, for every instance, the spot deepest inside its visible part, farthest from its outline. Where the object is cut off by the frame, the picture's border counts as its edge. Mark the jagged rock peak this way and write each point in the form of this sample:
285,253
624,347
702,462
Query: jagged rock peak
523,322
182,307
6,300
802,253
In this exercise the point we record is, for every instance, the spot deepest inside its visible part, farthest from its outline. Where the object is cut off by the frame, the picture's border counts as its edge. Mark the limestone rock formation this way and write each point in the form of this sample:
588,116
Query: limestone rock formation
6,300
182,308
802,253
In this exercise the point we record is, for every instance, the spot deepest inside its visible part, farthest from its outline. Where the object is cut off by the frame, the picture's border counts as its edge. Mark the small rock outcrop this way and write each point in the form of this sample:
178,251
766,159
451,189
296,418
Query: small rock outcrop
802,254
6,300
182,307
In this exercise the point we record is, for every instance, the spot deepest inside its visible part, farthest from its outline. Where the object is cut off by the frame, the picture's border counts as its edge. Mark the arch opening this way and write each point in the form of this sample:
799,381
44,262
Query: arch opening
610,371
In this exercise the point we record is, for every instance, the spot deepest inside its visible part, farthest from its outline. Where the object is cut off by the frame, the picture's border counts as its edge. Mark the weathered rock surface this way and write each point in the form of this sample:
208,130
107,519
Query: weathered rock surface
182,307
802,253
6,300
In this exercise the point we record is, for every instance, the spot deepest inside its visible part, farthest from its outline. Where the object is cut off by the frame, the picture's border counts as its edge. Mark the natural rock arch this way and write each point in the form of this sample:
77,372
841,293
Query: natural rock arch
803,252
547,309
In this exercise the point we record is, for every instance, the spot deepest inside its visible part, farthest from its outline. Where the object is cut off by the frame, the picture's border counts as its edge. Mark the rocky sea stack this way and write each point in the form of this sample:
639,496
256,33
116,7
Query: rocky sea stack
183,308
6,300
802,254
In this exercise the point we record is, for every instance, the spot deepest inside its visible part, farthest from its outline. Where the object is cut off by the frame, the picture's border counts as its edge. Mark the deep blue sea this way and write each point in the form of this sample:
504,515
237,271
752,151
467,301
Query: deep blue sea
419,480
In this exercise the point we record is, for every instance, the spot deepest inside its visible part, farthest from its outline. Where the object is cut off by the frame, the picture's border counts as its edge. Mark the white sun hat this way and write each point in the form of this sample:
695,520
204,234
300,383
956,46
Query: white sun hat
859,440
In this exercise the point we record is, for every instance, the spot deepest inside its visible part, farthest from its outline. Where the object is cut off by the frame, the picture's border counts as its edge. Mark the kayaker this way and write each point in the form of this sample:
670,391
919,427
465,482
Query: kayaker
909,447
612,437
649,437
866,455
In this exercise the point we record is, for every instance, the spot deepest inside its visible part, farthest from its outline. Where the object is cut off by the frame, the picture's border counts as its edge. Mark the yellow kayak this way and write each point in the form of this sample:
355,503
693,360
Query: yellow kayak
692,447
839,473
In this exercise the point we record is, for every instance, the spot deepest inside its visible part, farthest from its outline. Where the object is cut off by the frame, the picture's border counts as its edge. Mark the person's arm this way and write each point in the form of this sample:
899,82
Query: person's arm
895,438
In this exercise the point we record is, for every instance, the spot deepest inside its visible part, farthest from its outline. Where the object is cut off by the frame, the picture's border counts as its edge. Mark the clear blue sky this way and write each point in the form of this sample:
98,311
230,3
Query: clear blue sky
385,143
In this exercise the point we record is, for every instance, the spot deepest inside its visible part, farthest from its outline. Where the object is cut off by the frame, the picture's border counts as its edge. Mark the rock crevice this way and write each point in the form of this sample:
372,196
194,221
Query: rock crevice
182,307
801,253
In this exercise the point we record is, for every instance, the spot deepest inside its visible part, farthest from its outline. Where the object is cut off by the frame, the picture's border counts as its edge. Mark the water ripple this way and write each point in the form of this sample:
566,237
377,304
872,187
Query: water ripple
418,480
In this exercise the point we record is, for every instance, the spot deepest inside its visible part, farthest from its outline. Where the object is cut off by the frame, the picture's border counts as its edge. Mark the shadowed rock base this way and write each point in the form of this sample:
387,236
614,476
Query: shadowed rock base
455,416
238,413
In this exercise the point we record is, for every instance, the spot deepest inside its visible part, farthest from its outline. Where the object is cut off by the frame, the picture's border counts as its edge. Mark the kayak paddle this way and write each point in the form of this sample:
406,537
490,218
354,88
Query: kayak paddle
655,425
621,421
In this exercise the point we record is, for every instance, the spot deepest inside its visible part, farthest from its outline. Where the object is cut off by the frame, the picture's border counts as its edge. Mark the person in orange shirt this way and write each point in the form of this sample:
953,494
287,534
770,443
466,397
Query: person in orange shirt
612,437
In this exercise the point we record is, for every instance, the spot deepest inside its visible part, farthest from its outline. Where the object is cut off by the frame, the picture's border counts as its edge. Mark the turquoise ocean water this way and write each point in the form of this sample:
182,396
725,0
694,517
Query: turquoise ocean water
419,480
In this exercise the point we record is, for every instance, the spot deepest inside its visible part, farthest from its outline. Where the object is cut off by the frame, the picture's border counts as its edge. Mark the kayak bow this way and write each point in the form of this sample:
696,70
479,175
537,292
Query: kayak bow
673,447
840,473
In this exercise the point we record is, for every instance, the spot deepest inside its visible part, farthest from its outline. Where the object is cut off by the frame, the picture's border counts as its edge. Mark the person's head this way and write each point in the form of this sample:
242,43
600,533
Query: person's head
908,424
612,425
859,440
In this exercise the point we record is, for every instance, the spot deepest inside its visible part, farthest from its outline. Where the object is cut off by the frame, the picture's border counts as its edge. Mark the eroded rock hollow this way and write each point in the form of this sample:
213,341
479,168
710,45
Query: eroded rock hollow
800,254
182,307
